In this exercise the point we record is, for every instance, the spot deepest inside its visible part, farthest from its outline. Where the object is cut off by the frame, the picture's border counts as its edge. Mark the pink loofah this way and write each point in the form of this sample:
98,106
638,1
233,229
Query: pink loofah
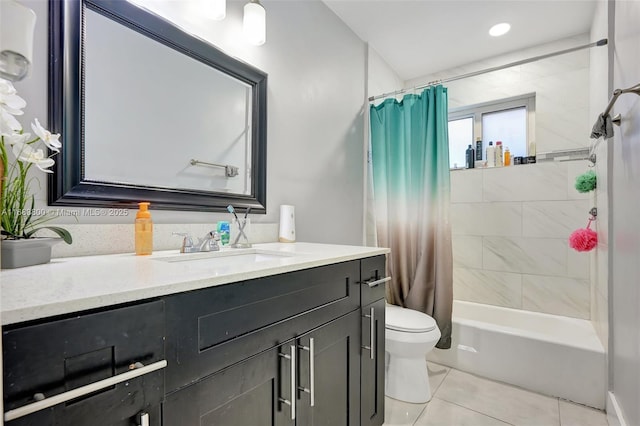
583,239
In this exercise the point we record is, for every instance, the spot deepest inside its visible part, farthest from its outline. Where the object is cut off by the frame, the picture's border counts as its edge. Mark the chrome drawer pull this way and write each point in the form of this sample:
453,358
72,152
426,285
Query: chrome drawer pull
292,402
312,372
372,341
136,371
376,283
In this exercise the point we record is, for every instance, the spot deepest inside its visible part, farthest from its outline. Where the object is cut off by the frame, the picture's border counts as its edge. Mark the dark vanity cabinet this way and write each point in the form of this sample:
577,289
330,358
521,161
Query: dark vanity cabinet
284,349
83,365
373,327
288,349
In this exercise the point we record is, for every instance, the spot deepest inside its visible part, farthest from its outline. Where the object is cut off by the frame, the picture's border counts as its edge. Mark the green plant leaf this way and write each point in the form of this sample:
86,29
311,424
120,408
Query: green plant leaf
63,233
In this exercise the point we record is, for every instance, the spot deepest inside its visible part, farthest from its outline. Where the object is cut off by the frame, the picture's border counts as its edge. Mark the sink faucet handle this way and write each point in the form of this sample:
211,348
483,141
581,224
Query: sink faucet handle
214,237
187,241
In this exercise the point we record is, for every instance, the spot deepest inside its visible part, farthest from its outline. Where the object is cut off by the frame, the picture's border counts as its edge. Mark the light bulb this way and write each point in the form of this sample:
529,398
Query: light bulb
215,9
499,29
255,23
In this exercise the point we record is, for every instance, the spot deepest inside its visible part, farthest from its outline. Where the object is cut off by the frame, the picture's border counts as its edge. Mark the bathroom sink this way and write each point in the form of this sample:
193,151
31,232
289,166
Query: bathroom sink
226,257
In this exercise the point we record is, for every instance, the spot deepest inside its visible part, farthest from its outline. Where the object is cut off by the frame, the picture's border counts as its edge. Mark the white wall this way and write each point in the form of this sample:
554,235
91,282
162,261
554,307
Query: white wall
316,89
599,96
625,239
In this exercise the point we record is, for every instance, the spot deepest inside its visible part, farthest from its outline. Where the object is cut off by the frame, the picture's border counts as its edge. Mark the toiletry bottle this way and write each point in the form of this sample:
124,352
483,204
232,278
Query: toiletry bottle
470,158
491,155
144,230
478,149
224,229
499,160
507,157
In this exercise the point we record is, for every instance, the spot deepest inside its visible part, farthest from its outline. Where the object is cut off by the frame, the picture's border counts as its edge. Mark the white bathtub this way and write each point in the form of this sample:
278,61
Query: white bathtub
554,355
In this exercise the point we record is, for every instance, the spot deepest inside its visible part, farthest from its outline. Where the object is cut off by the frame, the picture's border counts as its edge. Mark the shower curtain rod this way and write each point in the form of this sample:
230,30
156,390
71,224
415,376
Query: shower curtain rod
602,42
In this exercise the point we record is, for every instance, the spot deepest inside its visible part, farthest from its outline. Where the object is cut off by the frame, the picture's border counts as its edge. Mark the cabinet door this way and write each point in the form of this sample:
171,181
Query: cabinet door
329,371
248,393
372,364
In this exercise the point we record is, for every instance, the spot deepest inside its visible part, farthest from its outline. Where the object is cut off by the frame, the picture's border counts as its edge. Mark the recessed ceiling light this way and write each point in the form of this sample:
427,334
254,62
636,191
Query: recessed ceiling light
499,29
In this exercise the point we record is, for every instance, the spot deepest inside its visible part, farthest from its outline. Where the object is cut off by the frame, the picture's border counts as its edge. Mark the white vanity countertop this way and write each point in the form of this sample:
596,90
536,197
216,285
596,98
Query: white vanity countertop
74,284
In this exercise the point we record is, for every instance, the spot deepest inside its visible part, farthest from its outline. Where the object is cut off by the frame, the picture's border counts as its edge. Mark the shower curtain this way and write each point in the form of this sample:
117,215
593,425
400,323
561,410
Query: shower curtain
410,170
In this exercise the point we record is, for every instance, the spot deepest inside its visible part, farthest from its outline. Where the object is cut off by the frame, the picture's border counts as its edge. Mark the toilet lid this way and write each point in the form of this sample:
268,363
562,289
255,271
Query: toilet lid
408,320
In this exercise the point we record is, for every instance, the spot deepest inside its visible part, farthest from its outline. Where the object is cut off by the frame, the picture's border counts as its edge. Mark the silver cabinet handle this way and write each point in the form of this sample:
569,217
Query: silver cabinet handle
144,419
137,371
312,372
372,341
376,283
292,402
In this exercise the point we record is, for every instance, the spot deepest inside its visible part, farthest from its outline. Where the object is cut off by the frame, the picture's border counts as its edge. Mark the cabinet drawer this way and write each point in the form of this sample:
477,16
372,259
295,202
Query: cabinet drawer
213,328
372,270
63,355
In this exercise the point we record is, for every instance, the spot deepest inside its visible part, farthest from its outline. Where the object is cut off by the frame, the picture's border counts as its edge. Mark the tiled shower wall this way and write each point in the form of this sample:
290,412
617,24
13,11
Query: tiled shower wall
510,229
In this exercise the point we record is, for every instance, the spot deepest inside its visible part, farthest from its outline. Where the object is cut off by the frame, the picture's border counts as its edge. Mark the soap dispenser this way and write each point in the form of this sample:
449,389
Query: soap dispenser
144,230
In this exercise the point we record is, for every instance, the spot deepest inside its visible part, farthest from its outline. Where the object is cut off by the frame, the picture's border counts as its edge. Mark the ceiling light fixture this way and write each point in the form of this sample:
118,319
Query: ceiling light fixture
254,23
499,29
215,9
16,39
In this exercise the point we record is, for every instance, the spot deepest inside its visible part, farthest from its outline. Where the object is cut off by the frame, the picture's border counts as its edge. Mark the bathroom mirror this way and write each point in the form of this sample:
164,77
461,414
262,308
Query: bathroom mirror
148,112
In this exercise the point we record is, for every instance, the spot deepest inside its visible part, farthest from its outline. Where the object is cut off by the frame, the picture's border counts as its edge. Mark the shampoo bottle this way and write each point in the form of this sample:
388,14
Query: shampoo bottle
478,149
491,155
144,230
470,158
499,159
507,157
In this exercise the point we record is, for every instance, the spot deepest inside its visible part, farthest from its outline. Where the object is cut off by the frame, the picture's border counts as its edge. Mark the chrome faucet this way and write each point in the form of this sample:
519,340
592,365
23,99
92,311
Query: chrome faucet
208,243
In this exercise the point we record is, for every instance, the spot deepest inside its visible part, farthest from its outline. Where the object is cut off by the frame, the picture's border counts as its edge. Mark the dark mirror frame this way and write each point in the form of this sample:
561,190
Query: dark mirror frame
67,186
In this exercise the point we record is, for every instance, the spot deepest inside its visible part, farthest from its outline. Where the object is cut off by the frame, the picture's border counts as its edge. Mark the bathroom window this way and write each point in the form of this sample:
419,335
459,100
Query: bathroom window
510,120
460,136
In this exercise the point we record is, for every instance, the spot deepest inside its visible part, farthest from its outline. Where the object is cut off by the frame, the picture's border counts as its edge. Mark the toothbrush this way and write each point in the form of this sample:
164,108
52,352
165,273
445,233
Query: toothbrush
231,210
246,214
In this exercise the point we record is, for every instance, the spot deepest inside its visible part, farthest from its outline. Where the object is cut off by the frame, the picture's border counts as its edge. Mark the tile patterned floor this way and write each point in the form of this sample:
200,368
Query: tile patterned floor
462,399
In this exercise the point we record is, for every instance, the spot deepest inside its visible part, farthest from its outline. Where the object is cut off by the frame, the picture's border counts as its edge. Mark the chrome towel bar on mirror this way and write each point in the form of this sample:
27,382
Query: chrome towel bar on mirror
136,370
229,171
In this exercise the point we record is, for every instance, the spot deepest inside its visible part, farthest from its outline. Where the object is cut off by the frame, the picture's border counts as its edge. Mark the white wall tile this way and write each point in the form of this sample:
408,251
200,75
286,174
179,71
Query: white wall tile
554,219
467,251
528,182
501,219
464,218
526,255
466,186
493,288
578,264
503,183
556,295
544,181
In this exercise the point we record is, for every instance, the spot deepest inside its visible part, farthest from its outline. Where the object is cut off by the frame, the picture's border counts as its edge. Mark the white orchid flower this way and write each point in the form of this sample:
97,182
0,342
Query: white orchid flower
17,138
49,139
8,123
24,152
9,100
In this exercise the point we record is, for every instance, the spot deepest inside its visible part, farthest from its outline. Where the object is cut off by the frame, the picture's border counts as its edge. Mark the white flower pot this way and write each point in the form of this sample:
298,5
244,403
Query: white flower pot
32,251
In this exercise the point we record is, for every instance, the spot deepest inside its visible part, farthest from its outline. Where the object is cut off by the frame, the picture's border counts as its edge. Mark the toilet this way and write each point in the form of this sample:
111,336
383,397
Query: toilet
409,336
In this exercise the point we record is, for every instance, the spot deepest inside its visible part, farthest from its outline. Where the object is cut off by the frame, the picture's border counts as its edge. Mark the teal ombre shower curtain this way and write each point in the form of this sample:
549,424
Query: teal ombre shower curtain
410,162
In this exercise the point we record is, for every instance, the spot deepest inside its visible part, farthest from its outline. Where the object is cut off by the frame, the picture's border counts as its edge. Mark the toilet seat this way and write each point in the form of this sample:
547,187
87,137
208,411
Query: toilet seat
408,320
